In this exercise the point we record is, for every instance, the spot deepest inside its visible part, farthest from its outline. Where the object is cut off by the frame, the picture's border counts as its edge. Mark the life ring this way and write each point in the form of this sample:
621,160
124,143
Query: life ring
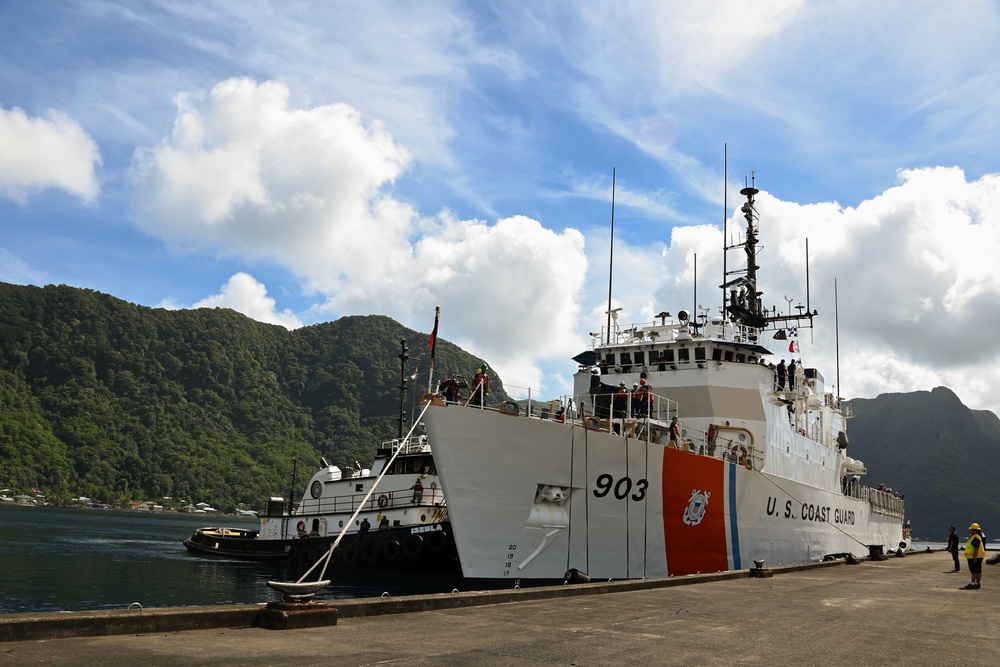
436,541
301,526
391,550
370,552
350,554
383,500
413,545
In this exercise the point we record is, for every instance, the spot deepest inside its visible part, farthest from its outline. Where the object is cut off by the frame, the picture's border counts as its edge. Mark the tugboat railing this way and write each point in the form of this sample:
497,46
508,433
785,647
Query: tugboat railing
385,500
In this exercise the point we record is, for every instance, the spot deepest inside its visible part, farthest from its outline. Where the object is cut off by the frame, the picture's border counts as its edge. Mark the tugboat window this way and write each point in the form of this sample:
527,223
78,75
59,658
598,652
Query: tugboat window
716,354
640,358
699,354
668,356
610,359
683,354
729,355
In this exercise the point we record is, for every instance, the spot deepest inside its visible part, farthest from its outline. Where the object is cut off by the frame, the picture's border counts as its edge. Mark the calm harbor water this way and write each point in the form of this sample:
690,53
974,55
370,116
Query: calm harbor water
58,559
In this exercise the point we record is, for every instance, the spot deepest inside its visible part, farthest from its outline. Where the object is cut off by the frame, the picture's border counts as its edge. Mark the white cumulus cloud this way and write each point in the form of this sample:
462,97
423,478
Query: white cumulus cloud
246,174
244,294
41,153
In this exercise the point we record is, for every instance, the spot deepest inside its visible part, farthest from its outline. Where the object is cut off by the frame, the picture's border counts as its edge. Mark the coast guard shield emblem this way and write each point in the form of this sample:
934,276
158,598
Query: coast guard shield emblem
695,511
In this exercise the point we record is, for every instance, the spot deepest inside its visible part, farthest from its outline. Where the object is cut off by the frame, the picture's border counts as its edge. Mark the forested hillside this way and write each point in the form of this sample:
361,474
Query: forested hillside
119,402
940,454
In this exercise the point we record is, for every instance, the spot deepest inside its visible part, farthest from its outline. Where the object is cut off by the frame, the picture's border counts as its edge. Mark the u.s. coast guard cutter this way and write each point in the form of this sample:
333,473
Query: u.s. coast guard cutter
757,470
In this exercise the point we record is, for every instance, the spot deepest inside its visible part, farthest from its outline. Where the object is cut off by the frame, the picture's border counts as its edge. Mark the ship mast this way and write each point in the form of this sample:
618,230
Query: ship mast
744,305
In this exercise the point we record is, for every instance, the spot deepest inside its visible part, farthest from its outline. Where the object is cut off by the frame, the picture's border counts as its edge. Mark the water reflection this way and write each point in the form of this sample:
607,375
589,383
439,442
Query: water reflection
54,559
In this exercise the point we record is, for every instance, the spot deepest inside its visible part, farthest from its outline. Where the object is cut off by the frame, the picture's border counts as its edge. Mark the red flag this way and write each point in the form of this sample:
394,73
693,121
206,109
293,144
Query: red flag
434,334
793,346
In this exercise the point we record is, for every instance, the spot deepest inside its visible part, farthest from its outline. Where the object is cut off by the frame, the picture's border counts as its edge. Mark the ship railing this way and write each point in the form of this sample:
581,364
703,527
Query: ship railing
882,501
403,498
413,445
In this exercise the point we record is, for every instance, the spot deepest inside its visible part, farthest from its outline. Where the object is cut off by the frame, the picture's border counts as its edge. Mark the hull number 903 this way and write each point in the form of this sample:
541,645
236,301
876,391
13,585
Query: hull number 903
606,484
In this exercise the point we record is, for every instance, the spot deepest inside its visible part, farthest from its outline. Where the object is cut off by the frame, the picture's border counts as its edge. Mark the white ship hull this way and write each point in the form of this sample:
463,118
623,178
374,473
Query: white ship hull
532,498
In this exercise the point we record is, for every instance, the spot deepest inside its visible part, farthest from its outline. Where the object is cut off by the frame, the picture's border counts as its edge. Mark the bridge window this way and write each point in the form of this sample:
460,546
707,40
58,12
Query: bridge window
699,354
683,354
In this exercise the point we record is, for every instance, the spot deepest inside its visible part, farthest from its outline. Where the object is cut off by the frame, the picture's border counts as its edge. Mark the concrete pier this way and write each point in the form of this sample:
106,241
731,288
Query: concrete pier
897,611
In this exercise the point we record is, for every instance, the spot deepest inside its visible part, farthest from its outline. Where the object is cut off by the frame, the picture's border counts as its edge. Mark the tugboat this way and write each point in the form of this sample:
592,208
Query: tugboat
684,449
408,528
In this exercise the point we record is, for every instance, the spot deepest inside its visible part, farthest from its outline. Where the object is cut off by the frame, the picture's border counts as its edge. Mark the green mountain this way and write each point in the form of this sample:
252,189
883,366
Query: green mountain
942,456
119,402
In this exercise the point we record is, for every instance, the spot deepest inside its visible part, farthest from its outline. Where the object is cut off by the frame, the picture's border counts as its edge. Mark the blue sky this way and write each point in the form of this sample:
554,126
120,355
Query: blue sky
301,161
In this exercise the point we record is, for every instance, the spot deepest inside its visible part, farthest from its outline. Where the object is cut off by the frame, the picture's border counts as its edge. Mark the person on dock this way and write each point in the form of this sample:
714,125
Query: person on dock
952,548
975,552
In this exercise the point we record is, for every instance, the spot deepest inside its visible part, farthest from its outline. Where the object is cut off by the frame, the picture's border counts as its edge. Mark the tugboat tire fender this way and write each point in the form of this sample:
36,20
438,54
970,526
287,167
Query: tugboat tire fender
350,553
391,550
436,541
413,545
370,552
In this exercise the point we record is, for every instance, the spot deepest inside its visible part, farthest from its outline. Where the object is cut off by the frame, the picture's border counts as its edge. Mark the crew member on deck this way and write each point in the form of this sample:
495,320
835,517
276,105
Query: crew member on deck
449,387
781,375
621,401
481,387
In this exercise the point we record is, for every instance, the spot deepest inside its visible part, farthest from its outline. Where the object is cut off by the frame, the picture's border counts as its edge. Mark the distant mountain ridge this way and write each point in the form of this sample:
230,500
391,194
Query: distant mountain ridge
940,454
118,402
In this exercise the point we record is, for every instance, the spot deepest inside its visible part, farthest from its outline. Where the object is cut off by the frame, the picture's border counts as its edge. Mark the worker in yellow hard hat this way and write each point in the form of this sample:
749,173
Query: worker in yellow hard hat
975,552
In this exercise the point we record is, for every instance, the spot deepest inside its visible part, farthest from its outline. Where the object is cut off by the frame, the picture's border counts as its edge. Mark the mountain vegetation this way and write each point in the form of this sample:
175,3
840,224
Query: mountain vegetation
942,456
117,402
